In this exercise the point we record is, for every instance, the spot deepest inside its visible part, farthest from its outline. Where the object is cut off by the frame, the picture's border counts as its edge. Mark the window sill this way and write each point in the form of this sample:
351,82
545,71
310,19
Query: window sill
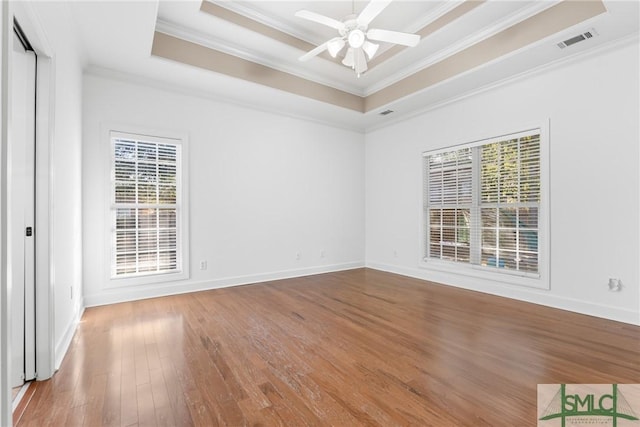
147,279
494,274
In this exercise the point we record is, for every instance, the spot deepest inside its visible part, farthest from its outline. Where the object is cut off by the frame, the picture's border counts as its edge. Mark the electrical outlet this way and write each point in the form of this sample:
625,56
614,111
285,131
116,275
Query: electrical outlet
395,253
203,265
615,285
298,256
322,254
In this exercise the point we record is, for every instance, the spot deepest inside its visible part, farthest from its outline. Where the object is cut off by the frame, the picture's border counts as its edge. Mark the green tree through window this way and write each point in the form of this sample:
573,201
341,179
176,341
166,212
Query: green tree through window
145,206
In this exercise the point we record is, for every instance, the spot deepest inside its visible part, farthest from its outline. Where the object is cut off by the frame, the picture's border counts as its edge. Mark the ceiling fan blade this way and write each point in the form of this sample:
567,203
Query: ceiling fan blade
372,10
404,39
315,52
320,19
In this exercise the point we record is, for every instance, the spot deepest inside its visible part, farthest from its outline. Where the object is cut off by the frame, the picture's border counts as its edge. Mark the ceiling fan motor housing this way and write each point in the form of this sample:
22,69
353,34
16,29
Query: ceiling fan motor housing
354,33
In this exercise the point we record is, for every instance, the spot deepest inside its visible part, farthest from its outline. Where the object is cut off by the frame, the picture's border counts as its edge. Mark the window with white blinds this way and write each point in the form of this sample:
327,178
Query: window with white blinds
146,205
482,203
450,196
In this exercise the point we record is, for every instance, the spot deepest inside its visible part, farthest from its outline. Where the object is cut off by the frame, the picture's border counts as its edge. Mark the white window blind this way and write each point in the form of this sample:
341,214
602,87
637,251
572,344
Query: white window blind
450,203
483,203
510,198
145,205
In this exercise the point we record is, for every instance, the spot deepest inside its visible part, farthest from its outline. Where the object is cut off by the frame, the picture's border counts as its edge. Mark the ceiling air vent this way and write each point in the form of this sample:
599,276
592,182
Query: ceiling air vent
573,40
385,112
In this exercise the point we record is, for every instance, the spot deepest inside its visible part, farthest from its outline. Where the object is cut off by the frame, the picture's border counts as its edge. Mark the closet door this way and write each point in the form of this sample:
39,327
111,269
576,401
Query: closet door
21,218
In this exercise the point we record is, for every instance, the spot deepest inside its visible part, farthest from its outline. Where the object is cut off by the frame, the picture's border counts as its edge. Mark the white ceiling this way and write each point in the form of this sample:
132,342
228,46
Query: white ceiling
237,40
117,39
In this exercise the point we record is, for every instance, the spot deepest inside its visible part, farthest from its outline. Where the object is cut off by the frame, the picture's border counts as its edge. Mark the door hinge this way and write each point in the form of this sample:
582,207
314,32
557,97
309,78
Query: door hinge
29,231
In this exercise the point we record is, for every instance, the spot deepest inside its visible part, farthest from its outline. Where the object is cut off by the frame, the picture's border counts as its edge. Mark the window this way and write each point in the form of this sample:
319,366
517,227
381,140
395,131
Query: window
146,205
483,204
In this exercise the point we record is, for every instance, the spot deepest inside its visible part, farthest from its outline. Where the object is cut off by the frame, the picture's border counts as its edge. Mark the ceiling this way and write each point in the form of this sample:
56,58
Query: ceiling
246,52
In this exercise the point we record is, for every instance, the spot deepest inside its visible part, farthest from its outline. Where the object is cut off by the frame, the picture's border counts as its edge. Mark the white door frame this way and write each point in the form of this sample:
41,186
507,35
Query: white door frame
6,40
44,139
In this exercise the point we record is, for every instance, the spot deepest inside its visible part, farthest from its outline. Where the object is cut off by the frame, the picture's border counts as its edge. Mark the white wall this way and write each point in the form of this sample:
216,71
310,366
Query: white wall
262,188
65,175
593,108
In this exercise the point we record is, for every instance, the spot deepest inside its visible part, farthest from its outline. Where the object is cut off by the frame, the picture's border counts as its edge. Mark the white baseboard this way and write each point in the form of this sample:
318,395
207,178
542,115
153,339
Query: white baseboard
116,295
65,341
518,293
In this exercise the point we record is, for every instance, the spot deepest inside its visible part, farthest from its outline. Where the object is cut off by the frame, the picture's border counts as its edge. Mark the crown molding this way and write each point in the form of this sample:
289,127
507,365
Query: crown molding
230,48
553,65
433,15
254,15
139,80
478,36
515,32
285,28
281,25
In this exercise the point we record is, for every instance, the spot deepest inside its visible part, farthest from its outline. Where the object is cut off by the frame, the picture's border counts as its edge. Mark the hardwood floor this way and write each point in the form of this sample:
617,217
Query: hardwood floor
21,396
360,347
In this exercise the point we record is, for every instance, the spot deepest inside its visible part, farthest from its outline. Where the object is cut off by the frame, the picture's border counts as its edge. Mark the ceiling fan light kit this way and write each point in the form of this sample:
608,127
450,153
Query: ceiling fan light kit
356,38
334,46
354,33
370,48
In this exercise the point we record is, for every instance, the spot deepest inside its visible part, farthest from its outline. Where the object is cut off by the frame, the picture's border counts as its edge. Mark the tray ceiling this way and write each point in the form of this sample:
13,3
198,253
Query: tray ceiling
252,48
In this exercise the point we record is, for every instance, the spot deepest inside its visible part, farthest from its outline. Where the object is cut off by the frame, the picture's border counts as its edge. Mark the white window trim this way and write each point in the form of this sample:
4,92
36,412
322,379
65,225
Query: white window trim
538,280
183,236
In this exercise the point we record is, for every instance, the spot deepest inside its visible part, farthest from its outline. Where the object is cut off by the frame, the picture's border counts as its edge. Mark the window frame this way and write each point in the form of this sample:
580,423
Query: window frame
538,280
182,214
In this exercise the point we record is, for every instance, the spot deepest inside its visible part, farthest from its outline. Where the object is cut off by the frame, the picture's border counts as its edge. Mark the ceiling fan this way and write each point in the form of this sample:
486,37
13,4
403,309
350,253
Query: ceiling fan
354,32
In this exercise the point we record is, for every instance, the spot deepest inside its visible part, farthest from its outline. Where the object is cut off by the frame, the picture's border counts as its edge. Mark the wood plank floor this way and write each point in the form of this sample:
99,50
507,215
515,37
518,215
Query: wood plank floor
360,347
